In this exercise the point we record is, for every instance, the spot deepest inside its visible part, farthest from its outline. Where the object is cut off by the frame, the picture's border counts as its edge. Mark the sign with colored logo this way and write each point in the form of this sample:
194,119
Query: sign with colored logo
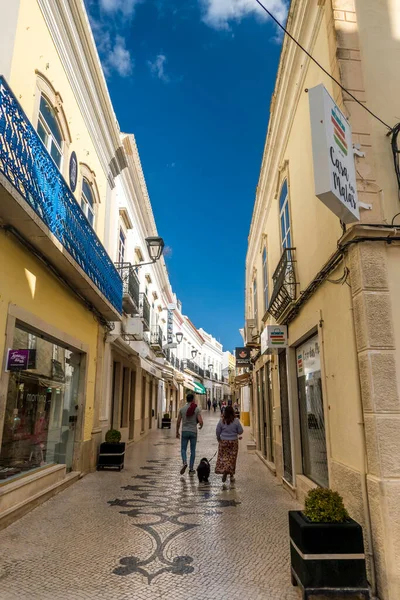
273,337
17,360
242,357
170,327
73,172
333,158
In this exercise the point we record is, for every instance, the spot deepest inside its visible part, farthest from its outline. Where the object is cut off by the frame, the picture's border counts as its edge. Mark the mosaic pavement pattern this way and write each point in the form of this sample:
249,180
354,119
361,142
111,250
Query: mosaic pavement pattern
147,533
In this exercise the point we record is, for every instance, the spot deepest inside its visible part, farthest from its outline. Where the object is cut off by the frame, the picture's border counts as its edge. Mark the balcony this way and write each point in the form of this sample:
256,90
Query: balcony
37,205
144,307
131,286
284,292
207,374
156,340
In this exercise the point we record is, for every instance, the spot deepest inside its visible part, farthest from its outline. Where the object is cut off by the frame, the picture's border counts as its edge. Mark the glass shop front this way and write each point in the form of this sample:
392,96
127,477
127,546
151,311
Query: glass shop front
42,405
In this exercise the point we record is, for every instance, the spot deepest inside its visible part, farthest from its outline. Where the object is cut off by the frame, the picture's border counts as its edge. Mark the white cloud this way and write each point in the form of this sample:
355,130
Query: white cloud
126,7
118,58
157,67
218,13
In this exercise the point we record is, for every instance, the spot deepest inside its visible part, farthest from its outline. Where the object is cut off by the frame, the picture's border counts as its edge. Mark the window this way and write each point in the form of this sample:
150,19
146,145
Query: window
121,246
255,306
265,278
87,201
312,418
49,131
285,217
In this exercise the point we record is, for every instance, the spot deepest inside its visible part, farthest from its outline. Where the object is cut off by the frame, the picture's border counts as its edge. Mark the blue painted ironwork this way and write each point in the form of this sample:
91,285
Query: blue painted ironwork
28,166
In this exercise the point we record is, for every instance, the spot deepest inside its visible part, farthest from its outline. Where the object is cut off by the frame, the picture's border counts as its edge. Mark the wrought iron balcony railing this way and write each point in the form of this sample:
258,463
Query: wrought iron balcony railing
144,306
26,164
284,278
131,287
207,374
156,337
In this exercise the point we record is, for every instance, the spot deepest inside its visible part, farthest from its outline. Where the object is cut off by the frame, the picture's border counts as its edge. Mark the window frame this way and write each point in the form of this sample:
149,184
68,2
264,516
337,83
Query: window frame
85,204
265,277
285,224
50,139
121,256
255,302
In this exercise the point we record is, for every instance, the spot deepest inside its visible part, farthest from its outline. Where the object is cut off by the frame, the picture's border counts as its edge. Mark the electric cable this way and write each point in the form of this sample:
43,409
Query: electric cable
391,129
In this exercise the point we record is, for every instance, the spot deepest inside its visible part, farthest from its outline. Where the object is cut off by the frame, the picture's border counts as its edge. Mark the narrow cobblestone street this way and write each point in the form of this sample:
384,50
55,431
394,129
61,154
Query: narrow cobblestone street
147,533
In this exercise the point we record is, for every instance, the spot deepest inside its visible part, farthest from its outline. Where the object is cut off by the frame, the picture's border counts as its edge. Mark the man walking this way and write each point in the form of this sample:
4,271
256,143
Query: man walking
189,415
214,404
209,404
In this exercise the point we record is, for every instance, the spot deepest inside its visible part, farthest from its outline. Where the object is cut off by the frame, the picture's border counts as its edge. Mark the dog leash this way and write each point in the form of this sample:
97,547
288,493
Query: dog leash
213,456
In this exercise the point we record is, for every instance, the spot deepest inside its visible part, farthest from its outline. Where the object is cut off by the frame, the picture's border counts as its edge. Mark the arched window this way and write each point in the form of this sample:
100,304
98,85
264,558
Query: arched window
285,217
49,130
87,201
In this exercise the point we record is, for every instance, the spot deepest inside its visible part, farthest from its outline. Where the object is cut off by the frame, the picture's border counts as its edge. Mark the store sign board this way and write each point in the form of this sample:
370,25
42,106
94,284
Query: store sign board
170,327
242,357
273,337
333,158
308,357
17,360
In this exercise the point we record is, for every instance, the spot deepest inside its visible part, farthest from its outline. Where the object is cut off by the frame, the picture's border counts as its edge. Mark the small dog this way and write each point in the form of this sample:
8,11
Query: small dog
203,470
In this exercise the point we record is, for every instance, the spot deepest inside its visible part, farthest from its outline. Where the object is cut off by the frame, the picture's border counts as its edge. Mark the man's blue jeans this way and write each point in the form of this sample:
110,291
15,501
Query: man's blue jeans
188,436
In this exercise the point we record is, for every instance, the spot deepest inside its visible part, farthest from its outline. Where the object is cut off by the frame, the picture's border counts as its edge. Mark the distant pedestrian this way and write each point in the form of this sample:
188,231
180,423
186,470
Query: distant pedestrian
190,416
214,405
209,404
223,407
219,404
237,410
228,433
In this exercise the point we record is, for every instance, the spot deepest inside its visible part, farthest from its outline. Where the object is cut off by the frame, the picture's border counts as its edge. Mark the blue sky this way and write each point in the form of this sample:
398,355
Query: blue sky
192,79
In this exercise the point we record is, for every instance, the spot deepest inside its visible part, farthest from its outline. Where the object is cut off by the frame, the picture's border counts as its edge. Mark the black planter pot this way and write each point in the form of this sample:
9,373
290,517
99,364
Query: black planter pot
166,423
111,455
327,559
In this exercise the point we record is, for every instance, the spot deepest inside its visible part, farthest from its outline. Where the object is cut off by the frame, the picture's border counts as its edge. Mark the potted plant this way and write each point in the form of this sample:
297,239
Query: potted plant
327,549
112,451
166,421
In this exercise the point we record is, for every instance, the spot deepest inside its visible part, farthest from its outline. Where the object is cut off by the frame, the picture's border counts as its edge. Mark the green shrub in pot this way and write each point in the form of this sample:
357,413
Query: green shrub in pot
113,436
323,505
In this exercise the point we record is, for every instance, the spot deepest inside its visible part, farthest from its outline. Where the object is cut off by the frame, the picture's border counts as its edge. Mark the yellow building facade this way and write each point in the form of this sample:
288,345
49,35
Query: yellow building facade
59,289
325,408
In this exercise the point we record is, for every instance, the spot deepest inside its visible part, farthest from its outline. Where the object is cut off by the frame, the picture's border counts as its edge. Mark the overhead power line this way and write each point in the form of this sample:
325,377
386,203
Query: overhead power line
321,67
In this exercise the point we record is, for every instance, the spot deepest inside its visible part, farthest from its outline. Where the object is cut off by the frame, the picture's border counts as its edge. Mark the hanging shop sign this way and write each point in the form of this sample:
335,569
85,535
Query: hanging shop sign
333,158
242,357
308,357
170,327
273,337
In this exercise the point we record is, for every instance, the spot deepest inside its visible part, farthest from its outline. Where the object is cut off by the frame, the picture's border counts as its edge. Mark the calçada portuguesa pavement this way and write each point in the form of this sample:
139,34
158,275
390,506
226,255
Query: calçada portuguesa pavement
147,533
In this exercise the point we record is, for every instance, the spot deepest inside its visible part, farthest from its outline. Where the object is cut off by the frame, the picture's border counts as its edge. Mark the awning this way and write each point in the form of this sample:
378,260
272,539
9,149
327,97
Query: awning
199,388
150,368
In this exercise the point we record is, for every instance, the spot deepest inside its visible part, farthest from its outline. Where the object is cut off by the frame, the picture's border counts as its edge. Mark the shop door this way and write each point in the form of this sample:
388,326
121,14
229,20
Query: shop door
312,419
143,406
259,420
262,413
132,406
284,396
270,414
151,404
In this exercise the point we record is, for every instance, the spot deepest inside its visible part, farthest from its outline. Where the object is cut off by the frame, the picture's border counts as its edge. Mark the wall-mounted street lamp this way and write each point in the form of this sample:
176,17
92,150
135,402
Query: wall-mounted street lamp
211,368
194,353
179,337
155,247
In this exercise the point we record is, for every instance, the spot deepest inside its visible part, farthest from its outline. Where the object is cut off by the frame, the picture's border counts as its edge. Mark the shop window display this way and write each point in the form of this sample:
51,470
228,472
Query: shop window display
312,420
41,409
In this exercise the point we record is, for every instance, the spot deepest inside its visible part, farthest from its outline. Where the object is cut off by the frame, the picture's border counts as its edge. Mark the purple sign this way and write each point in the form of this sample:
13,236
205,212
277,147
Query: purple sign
17,360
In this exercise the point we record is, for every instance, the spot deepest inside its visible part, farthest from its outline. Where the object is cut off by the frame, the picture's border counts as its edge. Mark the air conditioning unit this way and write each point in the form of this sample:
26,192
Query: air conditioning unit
133,329
251,331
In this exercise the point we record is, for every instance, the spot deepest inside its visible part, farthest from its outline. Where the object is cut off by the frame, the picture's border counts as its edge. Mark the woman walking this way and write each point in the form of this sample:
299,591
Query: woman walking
190,416
228,432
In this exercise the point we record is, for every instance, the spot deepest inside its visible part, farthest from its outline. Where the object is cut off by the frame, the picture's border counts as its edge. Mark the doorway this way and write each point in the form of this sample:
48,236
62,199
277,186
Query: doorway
143,406
132,406
285,415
